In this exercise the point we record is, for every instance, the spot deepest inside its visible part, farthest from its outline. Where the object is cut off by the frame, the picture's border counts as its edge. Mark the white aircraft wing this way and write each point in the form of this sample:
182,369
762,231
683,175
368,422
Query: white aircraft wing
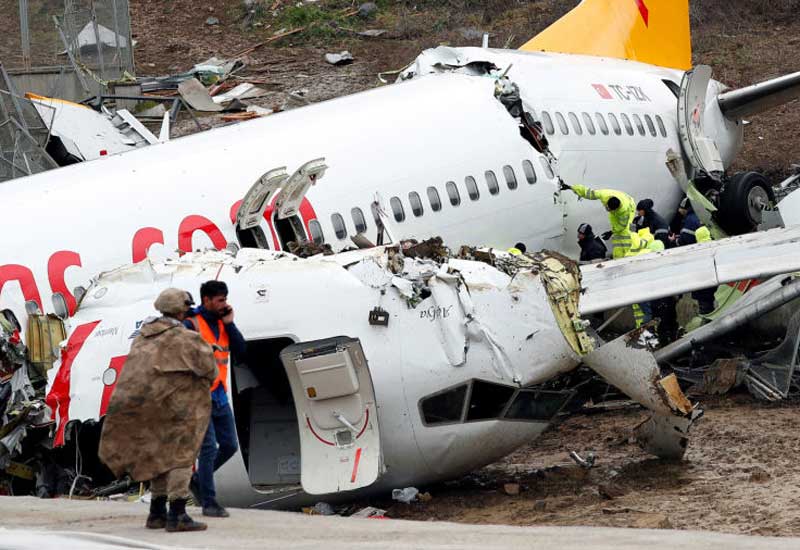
618,283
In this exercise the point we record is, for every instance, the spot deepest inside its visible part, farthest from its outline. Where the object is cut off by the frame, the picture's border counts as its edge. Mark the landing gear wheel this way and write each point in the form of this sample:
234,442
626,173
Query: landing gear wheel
743,201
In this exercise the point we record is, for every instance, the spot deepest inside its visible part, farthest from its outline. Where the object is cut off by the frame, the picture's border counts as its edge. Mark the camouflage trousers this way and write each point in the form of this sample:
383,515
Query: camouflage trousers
173,484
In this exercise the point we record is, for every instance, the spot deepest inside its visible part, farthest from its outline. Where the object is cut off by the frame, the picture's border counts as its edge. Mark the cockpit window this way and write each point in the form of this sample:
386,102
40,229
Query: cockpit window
446,407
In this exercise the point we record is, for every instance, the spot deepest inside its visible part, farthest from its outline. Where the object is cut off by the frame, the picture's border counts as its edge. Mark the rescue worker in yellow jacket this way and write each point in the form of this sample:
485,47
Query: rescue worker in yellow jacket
621,210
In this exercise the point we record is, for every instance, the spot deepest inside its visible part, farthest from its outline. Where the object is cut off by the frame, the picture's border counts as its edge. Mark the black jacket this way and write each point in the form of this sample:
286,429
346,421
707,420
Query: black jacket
592,248
652,220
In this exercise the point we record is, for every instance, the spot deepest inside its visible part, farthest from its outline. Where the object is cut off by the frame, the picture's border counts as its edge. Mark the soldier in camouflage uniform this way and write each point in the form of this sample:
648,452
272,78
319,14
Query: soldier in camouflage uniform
160,410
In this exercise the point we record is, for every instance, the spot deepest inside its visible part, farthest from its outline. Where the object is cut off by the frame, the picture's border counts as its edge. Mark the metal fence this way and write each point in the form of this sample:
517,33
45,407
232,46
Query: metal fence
65,48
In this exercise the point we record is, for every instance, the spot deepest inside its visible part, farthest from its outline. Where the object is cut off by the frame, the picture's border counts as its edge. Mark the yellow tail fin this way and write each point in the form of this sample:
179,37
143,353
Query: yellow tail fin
651,31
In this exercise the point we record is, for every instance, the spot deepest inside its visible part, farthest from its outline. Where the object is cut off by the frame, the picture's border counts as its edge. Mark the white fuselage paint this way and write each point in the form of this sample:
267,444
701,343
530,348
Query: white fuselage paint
387,142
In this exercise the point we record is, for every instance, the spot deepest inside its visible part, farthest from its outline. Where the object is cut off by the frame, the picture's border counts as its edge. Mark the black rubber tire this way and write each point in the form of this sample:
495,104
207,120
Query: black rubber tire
736,215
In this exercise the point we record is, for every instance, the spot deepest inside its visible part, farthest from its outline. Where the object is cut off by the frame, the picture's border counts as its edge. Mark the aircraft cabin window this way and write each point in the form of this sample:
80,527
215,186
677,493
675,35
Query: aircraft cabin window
488,400
639,124
338,226
562,124
576,124
511,177
661,127
548,123
433,198
615,123
601,122
315,228
627,122
536,405
530,173
416,203
452,192
446,407
491,182
472,188
589,123
547,168
397,209
359,221
650,125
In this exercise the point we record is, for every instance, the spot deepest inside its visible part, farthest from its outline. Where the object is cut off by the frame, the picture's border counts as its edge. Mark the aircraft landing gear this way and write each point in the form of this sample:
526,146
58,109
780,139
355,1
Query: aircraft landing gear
742,201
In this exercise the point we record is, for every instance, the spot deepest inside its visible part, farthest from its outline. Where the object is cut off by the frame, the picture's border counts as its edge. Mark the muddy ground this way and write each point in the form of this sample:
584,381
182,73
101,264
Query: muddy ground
740,475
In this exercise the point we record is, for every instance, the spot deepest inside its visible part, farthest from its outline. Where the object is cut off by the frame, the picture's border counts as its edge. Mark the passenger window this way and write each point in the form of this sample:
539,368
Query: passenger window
315,228
601,122
548,123
530,173
416,203
433,198
576,124
612,118
661,126
650,125
446,407
472,188
397,209
452,192
627,122
562,124
639,125
587,120
511,177
488,400
358,220
338,226
491,182
547,168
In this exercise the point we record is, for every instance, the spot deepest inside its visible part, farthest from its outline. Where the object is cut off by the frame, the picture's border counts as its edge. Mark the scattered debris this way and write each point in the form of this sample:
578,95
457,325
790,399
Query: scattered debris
242,91
370,512
342,58
587,462
196,95
406,496
320,509
366,9
511,489
212,21
372,33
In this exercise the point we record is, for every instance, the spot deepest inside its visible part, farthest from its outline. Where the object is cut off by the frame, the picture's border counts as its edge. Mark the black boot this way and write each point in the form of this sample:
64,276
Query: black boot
158,513
214,510
179,520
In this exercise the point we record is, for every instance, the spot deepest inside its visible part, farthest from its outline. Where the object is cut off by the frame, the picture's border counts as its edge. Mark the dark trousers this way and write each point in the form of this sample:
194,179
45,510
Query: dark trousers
705,299
664,309
219,445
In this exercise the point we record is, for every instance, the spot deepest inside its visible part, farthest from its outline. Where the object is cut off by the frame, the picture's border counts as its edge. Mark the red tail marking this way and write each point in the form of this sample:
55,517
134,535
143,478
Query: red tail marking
143,240
355,466
59,397
20,273
116,365
56,267
644,11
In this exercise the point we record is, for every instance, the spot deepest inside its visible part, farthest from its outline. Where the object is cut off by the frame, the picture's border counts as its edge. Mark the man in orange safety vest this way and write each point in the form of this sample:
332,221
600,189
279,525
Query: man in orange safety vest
214,321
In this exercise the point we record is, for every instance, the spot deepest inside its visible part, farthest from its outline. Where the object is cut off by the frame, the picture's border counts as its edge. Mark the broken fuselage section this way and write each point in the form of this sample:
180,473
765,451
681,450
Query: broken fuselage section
334,398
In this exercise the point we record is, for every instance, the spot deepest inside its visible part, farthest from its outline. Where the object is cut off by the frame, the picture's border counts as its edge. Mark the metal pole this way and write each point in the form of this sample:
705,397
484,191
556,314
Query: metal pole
25,35
727,323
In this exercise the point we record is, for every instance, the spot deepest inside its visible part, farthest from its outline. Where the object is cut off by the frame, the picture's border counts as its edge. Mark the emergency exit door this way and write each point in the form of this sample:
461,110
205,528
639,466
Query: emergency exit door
340,445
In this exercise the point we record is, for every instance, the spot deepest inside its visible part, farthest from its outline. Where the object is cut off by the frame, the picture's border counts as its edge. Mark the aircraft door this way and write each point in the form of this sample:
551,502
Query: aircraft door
251,212
340,444
286,214
700,150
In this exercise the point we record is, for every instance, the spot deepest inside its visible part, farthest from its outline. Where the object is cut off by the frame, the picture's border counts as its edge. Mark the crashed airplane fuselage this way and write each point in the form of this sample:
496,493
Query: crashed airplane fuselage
365,370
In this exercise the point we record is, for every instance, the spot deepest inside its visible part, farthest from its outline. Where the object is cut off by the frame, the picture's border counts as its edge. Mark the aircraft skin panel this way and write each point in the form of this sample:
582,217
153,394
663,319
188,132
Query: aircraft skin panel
651,31
387,142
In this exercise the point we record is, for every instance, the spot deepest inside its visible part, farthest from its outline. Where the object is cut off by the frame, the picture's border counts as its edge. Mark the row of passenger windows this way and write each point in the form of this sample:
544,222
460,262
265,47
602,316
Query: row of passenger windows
470,188
586,121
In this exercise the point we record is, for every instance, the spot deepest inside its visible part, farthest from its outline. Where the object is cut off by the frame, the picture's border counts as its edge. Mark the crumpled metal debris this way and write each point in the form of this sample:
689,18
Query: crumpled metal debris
341,58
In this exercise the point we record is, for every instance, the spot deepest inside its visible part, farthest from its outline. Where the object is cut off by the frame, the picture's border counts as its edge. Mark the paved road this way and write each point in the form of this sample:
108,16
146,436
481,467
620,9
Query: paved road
33,524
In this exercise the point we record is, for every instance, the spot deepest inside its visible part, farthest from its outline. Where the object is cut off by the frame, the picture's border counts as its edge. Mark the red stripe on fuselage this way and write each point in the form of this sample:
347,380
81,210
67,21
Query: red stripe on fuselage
116,364
59,396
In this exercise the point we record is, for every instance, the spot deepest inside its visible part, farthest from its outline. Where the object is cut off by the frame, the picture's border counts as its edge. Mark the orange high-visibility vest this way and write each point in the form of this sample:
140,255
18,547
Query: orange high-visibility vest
222,354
